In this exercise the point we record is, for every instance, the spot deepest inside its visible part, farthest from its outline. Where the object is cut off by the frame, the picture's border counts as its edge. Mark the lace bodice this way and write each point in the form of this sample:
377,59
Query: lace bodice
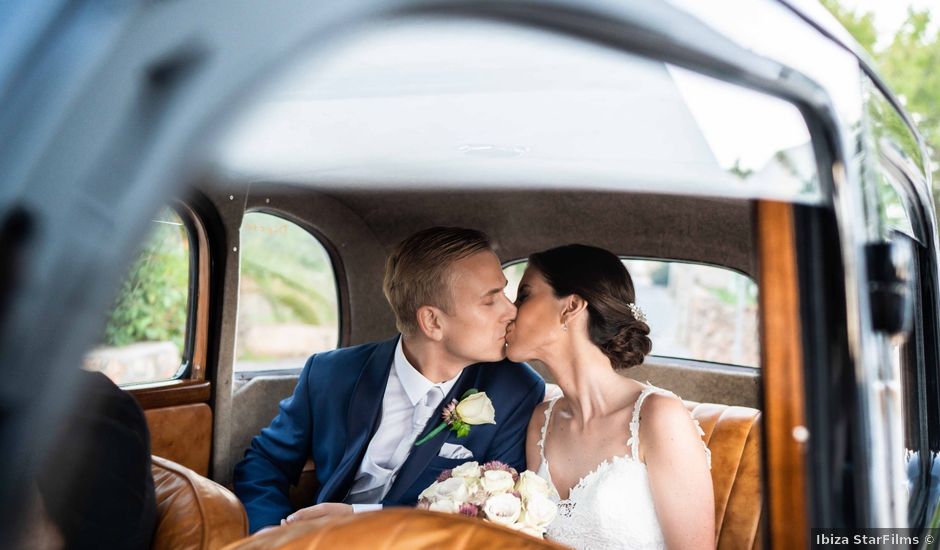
612,506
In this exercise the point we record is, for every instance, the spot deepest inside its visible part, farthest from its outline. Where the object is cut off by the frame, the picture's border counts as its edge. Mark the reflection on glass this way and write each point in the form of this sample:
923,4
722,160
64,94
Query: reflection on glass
885,205
694,311
758,139
888,127
287,296
144,338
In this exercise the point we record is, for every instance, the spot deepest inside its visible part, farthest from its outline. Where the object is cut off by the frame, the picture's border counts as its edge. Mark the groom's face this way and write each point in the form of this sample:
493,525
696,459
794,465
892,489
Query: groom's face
475,328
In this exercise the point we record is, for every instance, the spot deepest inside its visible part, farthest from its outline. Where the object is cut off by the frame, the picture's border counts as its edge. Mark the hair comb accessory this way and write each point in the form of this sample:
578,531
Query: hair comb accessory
637,312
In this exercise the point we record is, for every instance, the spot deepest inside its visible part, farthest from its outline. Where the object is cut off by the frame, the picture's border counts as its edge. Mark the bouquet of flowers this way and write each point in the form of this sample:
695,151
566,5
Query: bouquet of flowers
494,492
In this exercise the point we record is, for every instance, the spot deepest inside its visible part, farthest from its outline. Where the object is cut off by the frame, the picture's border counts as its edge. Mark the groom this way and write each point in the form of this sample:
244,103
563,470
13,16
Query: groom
358,411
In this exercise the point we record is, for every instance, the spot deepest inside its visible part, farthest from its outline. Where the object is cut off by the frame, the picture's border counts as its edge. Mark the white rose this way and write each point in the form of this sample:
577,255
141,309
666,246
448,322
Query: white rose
477,409
539,511
467,470
531,484
497,481
452,489
430,492
503,509
445,505
477,494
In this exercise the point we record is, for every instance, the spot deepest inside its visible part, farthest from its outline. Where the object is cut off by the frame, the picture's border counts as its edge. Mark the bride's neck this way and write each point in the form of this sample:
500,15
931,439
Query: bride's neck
588,380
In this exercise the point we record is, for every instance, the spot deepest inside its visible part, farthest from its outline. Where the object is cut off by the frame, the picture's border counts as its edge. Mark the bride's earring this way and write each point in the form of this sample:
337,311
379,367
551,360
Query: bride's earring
564,326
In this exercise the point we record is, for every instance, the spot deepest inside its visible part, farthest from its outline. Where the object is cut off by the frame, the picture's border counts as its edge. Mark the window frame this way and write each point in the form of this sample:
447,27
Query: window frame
339,275
194,349
703,363
192,382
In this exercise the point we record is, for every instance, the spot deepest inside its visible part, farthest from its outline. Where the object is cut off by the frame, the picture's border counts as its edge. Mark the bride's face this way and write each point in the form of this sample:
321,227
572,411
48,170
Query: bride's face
538,320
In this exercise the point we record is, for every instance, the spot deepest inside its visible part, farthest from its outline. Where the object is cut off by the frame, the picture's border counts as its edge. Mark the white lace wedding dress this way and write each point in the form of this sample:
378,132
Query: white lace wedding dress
612,506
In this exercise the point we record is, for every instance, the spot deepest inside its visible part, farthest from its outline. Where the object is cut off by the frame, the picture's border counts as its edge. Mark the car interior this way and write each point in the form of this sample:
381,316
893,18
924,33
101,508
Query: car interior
355,151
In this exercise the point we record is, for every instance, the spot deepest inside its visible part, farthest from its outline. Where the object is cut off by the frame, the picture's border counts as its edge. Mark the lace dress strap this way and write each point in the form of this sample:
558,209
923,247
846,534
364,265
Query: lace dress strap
548,415
634,441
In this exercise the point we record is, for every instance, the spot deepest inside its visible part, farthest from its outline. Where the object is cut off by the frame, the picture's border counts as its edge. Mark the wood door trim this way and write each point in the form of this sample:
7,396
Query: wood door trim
170,393
782,352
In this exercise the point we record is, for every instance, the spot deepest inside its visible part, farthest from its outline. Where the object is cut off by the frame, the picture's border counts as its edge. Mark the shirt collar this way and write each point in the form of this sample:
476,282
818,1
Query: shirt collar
415,384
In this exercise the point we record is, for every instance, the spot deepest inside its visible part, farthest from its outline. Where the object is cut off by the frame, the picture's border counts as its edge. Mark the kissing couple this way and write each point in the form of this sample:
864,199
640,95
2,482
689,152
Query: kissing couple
620,478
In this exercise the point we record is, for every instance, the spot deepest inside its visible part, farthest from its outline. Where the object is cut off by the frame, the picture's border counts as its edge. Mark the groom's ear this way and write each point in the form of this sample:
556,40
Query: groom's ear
429,323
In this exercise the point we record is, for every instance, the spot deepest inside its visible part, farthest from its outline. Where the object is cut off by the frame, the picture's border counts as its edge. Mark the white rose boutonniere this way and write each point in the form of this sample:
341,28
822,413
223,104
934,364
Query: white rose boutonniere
474,408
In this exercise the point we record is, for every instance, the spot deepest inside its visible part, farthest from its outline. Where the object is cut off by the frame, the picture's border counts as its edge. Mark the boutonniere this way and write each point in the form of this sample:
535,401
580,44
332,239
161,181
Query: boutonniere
473,409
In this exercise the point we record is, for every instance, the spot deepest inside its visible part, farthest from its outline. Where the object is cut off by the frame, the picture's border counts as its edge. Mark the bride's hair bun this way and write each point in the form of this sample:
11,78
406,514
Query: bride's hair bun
601,279
629,346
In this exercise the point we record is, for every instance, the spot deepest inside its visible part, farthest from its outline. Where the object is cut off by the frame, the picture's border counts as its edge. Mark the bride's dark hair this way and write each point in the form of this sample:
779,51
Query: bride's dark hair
603,281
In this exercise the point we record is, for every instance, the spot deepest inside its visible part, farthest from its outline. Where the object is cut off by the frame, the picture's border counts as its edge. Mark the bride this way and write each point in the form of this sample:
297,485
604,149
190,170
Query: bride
622,478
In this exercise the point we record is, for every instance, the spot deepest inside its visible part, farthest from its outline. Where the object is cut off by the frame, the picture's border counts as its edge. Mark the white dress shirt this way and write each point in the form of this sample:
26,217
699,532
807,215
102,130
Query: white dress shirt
410,400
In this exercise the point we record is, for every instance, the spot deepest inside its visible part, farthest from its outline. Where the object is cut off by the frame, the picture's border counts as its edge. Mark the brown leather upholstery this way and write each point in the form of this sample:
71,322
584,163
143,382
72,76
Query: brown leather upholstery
194,512
395,529
182,434
733,435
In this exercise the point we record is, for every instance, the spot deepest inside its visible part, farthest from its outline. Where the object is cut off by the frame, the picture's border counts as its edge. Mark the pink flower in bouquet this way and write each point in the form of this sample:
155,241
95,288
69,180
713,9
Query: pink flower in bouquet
445,475
468,509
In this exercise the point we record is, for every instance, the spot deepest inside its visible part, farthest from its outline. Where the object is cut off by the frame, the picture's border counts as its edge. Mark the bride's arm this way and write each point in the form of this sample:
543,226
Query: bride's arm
680,480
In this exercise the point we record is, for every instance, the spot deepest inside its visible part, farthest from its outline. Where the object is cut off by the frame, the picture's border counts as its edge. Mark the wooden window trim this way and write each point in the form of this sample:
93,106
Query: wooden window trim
168,393
784,398
200,325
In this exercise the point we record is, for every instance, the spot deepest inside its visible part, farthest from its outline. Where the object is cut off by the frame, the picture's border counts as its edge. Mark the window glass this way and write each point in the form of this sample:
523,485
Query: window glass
287,306
694,311
885,135
145,337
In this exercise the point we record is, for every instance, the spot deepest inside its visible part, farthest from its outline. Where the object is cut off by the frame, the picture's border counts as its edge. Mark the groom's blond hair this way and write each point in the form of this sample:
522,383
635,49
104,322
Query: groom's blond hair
419,271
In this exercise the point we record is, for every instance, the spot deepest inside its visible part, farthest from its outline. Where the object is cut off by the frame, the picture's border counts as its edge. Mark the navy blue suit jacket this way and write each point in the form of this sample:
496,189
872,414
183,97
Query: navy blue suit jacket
335,410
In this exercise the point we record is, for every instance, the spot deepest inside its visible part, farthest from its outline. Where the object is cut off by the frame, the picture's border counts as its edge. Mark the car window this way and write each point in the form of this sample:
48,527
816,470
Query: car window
695,311
287,308
145,336
905,371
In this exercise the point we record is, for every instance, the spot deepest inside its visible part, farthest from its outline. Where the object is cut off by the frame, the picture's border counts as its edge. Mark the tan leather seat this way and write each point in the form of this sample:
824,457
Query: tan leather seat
395,529
733,436
194,512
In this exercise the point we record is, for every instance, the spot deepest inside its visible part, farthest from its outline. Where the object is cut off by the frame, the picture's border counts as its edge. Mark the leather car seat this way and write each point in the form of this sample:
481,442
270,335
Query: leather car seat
733,436
394,529
731,433
194,513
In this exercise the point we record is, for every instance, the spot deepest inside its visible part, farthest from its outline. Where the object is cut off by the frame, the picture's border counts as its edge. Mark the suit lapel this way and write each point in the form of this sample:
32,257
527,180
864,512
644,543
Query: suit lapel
417,462
365,406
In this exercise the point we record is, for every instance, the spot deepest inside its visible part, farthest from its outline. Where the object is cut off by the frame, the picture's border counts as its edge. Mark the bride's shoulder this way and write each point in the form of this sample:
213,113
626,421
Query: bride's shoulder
664,405
665,416
538,416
